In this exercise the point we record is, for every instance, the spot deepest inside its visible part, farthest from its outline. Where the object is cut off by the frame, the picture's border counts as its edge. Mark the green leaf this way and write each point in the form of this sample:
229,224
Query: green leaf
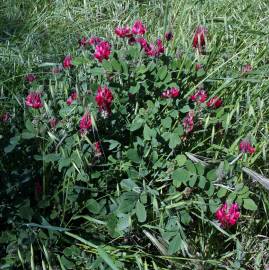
107,66
29,126
93,206
180,159
162,72
175,244
249,204
140,211
147,132
102,253
136,124
167,122
9,148
180,176
116,65
27,135
174,140
133,155
76,61
222,192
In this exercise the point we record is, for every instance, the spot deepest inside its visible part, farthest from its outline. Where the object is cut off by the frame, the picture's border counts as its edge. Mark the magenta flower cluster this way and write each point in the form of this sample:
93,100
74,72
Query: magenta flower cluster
228,215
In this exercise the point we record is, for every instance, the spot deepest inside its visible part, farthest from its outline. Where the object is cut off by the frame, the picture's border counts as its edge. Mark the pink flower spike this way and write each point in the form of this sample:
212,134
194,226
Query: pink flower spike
104,99
102,51
214,103
138,28
53,122
198,66
228,216
98,149
188,122
199,38
246,147
82,42
123,32
85,122
94,41
30,78
34,100
200,96
67,63
247,68
171,93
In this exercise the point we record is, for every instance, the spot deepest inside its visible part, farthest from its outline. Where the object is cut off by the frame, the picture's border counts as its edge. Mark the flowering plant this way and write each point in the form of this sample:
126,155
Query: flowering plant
114,126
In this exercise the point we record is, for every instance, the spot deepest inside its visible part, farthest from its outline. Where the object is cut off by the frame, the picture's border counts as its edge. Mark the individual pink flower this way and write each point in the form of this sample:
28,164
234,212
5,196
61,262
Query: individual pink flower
53,122
138,28
247,68
228,215
143,43
188,122
82,42
34,100
5,117
56,70
102,51
199,38
169,36
30,78
160,47
104,99
246,147
171,93
200,96
94,41
98,149
123,32
85,122
152,50
214,102
67,63
198,66
73,97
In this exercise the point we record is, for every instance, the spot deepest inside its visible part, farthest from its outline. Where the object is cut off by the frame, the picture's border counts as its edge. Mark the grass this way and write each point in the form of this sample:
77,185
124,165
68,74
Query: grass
35,32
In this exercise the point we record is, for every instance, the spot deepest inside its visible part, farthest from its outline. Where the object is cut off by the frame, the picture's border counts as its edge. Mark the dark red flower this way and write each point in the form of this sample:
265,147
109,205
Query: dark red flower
228,216
30,78
85,122
214,102
200,96
138,28
102,51
94,41
5,117
82,42
98,149
38,189
67,63
131,41
199,38
34,100
56,70
188,122
246,147
198,66
152,50
73,97
171,93
247,68
123,32
169,36
104,99
53,122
